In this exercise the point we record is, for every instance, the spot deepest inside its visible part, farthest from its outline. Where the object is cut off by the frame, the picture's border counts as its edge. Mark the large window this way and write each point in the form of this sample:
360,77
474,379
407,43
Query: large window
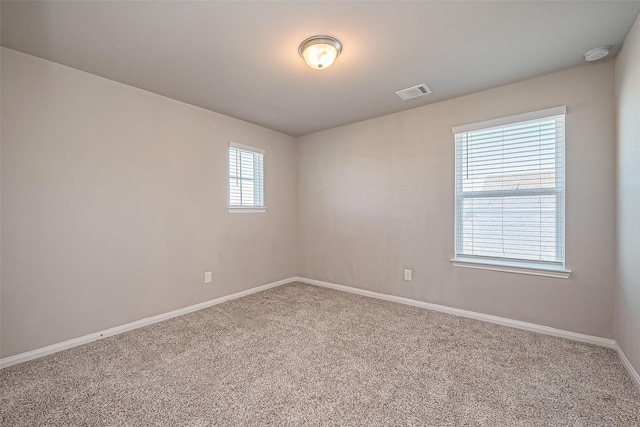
510,192
246,182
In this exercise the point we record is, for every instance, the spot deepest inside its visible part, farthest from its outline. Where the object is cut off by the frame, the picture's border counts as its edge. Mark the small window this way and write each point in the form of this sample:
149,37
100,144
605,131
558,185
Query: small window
510,182
246,179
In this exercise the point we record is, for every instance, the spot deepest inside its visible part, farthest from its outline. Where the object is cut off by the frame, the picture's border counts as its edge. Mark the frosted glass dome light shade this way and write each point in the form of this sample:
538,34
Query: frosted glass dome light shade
319,52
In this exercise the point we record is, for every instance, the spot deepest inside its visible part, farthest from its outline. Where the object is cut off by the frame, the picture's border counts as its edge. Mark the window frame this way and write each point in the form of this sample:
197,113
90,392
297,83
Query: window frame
245,208
541,268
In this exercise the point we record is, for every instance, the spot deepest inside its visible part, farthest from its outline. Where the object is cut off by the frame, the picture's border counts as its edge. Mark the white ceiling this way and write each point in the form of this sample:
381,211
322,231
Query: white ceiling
241,58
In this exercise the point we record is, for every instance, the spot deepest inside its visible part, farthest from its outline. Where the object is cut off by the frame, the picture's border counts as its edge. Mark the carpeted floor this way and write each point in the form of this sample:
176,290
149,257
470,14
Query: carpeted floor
304,355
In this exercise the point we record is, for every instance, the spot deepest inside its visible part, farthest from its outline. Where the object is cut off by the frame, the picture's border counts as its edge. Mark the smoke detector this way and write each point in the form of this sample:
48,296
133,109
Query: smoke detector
597,53
413,92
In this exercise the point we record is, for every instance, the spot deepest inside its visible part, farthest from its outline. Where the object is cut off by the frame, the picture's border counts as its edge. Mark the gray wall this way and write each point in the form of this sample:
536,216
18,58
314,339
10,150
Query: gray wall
114,204
628,107
376,196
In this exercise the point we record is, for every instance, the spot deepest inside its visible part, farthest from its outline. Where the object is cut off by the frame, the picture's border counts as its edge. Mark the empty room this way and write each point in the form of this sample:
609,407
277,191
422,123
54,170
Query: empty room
367,213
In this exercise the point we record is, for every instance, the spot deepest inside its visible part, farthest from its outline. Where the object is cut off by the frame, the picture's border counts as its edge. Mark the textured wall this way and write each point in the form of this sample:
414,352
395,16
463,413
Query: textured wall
628,107
377,196
114,204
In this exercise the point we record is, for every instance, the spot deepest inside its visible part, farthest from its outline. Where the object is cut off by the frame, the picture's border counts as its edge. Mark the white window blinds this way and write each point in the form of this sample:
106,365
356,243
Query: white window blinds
510,189
246,183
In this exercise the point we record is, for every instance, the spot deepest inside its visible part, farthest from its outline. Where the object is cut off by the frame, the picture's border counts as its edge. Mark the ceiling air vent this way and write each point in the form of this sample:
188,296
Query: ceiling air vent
413,92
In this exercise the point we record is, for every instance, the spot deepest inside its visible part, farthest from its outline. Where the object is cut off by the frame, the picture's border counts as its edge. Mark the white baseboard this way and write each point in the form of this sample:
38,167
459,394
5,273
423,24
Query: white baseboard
623,357
54,348
604,342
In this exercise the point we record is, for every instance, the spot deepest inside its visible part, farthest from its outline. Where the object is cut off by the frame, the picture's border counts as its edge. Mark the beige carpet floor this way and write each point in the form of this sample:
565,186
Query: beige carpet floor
304,355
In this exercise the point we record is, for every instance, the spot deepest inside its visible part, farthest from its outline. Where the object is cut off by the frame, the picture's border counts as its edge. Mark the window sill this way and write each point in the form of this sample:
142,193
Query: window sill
513,267
245,209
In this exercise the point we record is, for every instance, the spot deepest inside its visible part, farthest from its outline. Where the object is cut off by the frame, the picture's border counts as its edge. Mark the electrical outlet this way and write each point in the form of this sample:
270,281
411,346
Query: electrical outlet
407,274
207,277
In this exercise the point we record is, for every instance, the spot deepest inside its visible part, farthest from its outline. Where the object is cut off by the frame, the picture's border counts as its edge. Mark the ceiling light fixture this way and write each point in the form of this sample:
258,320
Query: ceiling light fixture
597,53
319,52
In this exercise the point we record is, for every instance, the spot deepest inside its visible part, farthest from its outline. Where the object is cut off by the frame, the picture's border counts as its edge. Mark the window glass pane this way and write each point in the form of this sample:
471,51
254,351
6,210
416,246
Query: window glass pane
522,227
510,191
246,186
